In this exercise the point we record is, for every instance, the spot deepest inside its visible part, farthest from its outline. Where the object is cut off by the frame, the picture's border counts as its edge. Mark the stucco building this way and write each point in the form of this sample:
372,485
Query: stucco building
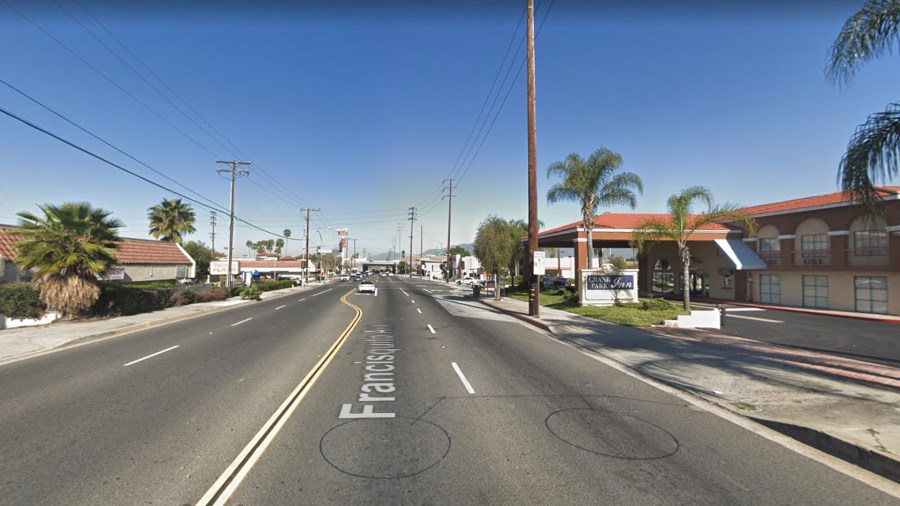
817,252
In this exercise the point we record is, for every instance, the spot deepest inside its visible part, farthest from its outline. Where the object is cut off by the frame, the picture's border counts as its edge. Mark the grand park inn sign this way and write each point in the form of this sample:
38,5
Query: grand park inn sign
600,287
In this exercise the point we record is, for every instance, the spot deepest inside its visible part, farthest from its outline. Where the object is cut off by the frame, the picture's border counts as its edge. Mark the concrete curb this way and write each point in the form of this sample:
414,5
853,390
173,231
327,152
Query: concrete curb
527,319
876,462
91,338
871,460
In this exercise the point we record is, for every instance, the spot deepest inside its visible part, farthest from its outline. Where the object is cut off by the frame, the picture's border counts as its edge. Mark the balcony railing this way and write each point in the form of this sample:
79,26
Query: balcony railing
811,258
771,257
868,256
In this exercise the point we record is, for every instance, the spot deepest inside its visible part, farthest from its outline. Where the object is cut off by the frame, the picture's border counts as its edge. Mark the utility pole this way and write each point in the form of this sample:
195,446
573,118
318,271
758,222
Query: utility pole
534,292
412,223
449,211
235,172
306,249
421,241
212,235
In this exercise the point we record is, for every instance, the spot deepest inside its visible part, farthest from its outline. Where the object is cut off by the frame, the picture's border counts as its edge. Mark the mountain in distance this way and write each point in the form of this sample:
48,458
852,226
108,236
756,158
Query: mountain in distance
428,252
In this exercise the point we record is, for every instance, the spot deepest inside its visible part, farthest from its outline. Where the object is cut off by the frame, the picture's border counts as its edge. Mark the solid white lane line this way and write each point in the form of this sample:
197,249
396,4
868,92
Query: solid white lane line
150,356
734,309
754,318
419,310
431,329
462,378
320,293
240,322
279,307
404,293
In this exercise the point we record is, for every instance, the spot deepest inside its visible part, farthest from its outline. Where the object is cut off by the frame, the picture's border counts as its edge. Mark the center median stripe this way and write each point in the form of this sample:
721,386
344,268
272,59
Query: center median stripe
228,482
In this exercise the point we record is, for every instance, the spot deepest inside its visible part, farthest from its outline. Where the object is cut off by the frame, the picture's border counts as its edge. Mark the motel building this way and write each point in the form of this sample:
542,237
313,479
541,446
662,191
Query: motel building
814,252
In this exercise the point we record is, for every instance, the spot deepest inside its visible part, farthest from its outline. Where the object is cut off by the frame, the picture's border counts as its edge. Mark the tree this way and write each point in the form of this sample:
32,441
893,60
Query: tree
459,250
680,224
202,255
250,246
872,153
402,267
287,235
279,244
593,182
170,220
495,243
67,249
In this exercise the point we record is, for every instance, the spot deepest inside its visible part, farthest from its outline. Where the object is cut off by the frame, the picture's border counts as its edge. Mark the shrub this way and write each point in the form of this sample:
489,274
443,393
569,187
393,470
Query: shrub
20,301
217,294
183,297
129,299
251,292
655,305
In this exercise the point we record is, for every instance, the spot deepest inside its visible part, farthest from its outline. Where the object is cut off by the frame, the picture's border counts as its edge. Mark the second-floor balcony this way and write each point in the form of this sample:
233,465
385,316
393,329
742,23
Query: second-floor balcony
868,256
770,257
812,257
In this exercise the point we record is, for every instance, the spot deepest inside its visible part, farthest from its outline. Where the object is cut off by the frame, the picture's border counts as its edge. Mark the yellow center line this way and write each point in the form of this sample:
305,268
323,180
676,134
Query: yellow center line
228,482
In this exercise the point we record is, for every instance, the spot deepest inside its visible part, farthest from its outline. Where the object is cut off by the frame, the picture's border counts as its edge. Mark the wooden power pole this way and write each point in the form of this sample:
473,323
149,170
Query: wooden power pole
535,291
235,172
306,248
449,211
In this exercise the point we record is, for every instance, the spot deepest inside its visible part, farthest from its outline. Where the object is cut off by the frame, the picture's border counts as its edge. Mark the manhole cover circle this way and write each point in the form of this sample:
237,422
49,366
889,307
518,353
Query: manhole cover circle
611,434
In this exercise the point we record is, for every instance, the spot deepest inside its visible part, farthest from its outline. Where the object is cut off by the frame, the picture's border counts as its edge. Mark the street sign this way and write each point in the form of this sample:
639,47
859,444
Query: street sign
540,259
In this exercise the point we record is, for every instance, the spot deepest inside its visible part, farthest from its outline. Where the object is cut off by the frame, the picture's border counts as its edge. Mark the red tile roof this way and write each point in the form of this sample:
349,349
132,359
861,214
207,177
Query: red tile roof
7,244
128,251
144,251
811,202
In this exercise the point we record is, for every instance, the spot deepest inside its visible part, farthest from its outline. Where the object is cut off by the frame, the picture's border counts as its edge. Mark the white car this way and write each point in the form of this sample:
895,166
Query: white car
345,277
468,281
366,286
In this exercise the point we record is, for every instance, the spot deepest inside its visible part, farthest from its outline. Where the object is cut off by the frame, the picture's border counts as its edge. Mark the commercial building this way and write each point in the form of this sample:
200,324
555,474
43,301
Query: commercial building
818,252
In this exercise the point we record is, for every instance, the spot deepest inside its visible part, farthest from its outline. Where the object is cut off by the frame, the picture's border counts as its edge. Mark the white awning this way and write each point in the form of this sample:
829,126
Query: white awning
740,255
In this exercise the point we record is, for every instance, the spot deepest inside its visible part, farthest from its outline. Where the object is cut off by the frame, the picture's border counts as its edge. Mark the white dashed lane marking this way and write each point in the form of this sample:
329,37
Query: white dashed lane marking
150,356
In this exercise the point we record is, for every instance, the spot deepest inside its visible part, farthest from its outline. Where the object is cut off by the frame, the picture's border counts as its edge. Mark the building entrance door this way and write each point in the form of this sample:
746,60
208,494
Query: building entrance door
699,284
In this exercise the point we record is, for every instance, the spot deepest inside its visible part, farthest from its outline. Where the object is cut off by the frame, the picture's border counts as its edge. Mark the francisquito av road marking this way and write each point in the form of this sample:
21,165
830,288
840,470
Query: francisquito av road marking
379,385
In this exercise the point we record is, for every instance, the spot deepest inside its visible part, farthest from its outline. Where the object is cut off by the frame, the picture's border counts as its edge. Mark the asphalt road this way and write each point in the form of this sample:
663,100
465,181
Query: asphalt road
429,398
868,340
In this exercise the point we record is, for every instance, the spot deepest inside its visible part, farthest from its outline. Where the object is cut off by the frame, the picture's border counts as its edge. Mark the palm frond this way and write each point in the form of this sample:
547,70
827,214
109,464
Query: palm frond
872,156
868,33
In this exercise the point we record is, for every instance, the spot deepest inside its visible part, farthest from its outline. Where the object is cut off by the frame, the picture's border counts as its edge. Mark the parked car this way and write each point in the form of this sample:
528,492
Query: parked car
555,283
488,283
467,281
366,286
345,277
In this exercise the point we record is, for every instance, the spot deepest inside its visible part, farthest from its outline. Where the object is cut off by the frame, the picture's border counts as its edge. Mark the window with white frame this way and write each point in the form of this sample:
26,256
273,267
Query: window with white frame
871,294
769,245
815,291
870,242
770,288
814,242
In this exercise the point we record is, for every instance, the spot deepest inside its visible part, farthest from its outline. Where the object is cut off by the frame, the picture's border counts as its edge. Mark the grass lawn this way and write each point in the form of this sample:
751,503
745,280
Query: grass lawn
641,314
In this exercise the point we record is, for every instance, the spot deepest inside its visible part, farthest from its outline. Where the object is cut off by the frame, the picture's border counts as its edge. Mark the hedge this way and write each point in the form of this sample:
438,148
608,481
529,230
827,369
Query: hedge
20,301
129,299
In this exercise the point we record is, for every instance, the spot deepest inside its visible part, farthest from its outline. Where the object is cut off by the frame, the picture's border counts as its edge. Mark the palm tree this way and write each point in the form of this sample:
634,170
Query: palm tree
249,245
593,182
67,249
287,235
680,224
279,244
872,154
170,220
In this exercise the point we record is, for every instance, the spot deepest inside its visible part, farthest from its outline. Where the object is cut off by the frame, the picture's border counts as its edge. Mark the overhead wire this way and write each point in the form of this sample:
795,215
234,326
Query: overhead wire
123,169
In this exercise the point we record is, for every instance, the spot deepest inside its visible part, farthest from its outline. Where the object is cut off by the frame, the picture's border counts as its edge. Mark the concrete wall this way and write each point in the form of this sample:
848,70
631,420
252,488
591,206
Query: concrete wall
153,272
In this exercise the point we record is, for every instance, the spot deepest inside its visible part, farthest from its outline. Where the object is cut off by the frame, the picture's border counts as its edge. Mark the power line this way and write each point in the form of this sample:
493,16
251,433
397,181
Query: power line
123,169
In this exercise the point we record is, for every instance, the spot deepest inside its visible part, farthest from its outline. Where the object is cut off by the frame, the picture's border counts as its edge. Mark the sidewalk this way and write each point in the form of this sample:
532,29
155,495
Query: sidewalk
820,399
20,343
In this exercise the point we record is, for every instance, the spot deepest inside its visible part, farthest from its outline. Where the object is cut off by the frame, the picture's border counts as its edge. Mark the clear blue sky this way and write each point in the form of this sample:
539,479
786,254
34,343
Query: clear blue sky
363,108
